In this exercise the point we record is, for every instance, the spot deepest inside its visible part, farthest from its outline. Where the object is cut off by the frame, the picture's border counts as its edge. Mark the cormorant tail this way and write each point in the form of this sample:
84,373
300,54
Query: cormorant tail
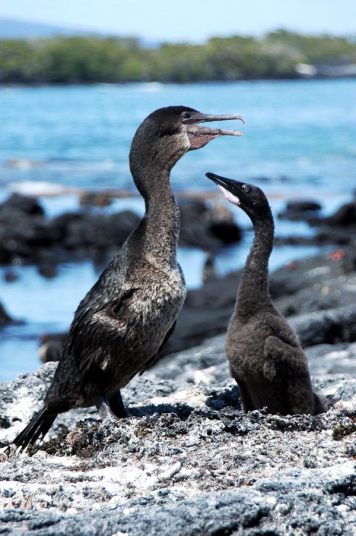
320,403
38,426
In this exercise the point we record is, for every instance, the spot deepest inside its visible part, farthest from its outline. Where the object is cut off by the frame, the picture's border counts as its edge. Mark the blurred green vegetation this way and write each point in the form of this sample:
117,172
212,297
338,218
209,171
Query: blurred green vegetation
96,59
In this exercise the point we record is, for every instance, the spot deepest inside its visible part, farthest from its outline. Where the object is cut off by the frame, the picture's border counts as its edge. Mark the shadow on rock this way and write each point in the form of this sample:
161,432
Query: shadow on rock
181,410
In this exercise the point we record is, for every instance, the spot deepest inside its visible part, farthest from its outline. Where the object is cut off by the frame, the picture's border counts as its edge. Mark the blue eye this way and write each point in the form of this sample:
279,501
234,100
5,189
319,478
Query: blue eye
245,188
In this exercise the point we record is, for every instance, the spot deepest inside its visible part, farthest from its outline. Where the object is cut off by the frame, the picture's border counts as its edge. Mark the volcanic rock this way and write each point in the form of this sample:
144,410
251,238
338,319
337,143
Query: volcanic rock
187,460
5,318
301,209
206,228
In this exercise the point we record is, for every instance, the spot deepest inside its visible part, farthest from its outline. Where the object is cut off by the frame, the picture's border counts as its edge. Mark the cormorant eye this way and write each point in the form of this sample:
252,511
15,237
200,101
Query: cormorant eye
245,188
186,115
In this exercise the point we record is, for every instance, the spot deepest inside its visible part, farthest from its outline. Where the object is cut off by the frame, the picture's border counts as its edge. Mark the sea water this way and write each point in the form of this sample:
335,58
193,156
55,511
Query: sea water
300,141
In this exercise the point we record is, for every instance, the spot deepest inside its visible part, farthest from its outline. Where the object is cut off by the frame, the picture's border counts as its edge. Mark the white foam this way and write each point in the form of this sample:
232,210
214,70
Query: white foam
37,188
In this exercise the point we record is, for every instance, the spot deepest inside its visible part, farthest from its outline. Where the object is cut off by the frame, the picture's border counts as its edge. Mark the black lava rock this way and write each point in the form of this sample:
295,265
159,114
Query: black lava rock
205,227
23,203
301,209
345,216
5,318
26,234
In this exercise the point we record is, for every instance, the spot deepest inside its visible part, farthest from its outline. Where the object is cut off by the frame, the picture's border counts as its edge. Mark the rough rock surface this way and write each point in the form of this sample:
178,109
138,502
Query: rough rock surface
187,461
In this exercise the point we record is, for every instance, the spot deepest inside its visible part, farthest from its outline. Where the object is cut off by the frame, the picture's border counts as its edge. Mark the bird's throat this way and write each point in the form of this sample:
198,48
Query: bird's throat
161,222
254,287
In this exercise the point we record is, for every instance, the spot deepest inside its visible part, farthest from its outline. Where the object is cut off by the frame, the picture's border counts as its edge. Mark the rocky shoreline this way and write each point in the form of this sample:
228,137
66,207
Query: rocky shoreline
187,460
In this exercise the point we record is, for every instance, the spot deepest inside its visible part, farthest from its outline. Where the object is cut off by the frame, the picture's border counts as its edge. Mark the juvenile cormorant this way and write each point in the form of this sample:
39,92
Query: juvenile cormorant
121,324
264,353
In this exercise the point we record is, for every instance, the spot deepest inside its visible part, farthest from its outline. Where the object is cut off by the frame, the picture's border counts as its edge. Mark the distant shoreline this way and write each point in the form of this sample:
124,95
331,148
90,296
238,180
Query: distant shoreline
277,55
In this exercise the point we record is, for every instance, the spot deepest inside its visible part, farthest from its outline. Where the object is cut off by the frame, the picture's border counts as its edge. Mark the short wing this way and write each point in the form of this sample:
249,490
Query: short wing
282,358
96,336
156,357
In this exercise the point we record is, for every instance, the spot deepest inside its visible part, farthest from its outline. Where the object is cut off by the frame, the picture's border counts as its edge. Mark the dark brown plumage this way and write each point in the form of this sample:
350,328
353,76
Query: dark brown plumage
121,324
264,353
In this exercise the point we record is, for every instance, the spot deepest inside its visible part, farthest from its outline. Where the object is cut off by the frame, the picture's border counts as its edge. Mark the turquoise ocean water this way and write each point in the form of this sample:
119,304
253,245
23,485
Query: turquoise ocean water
300,141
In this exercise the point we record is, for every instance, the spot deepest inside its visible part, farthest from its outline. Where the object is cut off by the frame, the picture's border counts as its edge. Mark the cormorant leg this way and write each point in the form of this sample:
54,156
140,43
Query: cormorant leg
279,353
103,407
245,398
116,405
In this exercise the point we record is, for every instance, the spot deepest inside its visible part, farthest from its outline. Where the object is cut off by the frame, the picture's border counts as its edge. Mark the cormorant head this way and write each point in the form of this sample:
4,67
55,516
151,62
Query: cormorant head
168,133
248,197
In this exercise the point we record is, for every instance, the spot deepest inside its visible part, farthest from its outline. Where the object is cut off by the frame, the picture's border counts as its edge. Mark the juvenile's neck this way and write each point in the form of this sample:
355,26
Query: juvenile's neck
254,288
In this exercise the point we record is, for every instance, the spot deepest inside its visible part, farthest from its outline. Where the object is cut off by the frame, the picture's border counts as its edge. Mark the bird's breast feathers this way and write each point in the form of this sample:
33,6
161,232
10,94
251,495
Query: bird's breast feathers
160,295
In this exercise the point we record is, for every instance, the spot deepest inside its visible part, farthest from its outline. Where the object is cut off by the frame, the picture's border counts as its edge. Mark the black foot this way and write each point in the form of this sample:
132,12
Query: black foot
103,408
116,405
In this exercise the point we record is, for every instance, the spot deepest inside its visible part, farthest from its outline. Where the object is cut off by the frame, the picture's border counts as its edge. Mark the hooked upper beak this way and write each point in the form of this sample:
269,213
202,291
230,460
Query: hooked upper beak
200,135
228,184
229,187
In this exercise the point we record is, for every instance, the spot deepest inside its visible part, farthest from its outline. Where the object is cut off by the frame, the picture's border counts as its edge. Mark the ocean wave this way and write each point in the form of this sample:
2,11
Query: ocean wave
150,87
38,188
28,164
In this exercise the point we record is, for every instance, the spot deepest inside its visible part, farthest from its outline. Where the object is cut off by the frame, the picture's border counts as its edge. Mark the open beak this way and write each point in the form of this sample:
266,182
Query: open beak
201,135
229,187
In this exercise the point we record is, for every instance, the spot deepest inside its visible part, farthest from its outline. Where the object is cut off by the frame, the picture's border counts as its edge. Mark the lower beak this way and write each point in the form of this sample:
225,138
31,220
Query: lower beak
227,186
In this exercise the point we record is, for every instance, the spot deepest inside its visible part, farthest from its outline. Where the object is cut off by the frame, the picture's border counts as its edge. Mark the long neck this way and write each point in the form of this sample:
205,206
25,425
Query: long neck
159,228
254,288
